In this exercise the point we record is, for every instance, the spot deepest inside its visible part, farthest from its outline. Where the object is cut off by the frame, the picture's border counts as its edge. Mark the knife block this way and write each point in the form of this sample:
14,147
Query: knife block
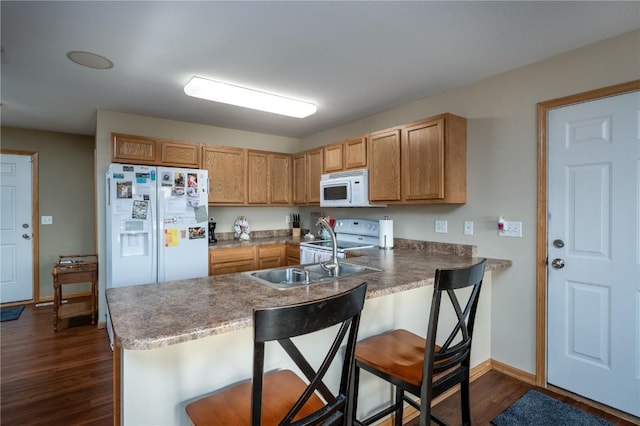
295,232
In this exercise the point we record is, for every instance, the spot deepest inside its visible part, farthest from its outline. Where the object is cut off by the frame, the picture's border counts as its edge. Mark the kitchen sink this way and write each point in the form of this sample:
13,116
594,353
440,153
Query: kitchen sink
298,276
345,269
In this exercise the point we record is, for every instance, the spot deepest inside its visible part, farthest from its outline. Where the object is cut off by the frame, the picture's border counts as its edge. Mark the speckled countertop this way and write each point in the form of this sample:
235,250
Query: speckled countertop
151,316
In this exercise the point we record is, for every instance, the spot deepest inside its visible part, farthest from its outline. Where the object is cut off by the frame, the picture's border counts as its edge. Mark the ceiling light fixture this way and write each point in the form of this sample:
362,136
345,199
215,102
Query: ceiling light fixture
248,98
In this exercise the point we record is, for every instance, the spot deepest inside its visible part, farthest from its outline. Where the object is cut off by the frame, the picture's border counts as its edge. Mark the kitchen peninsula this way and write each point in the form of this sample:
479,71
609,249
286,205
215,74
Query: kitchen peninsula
176,341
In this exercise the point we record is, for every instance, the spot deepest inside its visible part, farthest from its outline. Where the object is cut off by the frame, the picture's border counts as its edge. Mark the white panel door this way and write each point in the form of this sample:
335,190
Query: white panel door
593,251
16,236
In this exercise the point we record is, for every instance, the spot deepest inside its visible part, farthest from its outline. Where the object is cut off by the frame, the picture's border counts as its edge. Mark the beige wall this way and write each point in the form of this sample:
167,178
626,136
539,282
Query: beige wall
501,114
66,192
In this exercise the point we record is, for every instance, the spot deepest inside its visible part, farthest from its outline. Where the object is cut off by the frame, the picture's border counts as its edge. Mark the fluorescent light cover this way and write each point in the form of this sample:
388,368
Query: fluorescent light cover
241,96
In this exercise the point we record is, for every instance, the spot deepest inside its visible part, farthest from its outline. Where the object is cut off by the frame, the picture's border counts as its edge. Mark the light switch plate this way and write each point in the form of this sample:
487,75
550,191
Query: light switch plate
511,229
441,226
468,227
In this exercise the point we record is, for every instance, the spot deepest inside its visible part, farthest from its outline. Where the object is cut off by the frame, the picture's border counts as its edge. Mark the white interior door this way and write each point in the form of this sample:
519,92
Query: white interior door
16,234
593,315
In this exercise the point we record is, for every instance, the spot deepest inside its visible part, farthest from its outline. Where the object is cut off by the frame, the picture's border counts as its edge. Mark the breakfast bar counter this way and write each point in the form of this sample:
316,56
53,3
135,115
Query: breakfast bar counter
178,340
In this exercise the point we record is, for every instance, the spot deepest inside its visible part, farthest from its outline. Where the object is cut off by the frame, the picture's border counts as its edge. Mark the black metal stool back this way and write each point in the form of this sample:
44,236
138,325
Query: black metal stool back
283,323
427,369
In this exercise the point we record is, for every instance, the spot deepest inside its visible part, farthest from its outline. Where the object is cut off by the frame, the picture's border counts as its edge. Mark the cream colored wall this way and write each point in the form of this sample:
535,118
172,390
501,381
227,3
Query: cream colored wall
66,192
260,218
501,114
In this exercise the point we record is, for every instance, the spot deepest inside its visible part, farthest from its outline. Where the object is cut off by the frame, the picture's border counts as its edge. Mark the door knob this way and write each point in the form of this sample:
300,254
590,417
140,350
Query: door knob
26,236
557,263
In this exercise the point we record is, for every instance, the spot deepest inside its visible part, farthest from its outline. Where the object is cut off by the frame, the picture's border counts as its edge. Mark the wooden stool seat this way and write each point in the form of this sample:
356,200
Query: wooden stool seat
282,397
397,353
233,405
418,366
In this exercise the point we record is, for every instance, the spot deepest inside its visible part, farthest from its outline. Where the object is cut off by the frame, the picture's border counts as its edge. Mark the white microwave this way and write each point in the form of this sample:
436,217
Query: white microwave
346,189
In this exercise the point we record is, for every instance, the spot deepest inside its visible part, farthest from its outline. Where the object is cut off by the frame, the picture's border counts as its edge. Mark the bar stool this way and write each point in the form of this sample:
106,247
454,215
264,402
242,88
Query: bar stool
282,397
419,366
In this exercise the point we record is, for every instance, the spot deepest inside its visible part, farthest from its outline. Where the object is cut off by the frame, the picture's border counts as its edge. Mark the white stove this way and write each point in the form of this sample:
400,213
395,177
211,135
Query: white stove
351,234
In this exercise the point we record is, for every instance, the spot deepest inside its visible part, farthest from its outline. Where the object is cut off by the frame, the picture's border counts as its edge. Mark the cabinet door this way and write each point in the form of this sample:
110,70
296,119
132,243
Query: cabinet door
333,157
314,172
384,165
134,149
355,153
176,154
279,178
271,256
257,177
293,254
299,178
226,168
234,259
423,161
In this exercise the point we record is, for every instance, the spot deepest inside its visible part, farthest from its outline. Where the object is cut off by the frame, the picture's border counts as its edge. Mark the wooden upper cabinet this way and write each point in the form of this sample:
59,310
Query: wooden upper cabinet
434,160
424,162
280,184
314,172
180,154
333,157
384,165
307,170
355,153
134,149
268,178
226,167
153,151
257,177
423,166
345,155
299,178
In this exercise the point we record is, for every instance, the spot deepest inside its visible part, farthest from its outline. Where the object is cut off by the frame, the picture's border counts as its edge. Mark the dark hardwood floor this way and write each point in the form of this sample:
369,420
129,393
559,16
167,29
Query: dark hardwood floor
54,378
64,378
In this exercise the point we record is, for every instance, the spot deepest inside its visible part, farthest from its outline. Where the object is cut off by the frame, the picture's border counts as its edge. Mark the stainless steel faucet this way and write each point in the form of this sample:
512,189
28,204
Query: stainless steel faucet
332,266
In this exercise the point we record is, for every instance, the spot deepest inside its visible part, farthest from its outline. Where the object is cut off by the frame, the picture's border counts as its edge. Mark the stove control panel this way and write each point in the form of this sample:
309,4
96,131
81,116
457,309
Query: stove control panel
364,227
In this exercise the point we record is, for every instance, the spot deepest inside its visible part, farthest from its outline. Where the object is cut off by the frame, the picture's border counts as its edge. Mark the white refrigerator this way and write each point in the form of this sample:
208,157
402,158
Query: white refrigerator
156,225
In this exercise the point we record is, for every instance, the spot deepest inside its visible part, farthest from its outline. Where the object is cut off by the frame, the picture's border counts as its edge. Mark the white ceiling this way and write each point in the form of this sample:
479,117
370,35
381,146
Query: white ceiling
353,59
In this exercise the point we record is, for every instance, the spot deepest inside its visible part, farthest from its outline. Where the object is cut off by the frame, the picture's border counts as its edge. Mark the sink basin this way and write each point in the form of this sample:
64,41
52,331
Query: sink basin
282,278
298,276
345,270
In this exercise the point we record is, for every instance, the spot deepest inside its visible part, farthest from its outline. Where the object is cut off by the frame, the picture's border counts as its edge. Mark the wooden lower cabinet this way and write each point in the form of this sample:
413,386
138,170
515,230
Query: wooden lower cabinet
233,259
250,258
270,256
293,254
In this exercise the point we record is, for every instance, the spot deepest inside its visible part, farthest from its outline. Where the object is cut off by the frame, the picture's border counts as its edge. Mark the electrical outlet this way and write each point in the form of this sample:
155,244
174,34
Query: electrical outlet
287,219
46,220
511,229
468,227
441,226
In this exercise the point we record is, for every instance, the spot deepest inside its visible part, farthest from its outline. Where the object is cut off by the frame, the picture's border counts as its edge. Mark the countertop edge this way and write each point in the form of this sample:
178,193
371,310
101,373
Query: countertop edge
131,341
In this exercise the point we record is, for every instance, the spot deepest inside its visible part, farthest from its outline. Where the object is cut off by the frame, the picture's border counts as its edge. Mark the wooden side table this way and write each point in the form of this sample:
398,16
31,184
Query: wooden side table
75,270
